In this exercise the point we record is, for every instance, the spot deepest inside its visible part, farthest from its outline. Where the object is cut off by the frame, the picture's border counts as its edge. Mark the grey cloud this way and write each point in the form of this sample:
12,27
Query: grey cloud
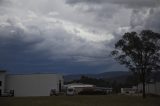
127,3
39,49
2,2
139,13
140,16
102,10
57,43
152,22
135,11
55,31
147,18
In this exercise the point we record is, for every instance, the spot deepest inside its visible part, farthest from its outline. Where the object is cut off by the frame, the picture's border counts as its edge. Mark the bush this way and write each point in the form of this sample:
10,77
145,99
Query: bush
92,93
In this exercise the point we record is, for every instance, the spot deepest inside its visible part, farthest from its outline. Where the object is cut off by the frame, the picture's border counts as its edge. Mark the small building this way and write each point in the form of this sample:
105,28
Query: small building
78,87
30,84
129,91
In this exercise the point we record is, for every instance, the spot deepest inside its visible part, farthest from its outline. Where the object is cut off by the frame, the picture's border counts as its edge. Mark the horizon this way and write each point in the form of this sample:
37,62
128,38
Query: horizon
64,74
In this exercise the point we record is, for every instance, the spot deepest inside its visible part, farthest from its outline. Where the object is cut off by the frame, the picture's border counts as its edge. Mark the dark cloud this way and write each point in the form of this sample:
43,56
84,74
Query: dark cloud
52,35
5,2
127,3
140,11
18,56
32,48
152,22
145,19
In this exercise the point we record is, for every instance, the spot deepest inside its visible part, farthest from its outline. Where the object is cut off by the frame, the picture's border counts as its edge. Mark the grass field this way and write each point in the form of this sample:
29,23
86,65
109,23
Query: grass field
79,101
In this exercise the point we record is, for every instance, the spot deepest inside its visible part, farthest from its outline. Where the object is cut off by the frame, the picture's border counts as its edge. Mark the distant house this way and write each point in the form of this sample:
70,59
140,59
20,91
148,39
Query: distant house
30,84
151,88
132,90
75,88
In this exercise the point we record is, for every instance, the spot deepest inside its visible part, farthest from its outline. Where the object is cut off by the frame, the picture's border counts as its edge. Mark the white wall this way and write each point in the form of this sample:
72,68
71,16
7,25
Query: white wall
34,84
157,86
153,88
2,79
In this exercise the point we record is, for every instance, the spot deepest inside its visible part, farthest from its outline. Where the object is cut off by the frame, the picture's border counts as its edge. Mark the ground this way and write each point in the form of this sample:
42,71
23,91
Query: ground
113,100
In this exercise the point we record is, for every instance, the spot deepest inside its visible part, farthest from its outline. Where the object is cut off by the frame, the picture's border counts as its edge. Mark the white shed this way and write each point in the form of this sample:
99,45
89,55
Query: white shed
32,84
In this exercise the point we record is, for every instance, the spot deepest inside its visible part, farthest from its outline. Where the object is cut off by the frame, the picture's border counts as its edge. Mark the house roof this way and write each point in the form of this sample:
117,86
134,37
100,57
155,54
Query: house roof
79,85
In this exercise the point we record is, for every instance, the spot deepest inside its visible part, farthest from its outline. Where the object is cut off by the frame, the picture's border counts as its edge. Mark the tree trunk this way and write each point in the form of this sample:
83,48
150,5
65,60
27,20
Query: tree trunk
143,83
144,90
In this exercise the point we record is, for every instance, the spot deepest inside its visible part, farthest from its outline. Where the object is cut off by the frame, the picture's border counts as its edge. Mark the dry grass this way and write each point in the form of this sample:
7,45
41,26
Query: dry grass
79,101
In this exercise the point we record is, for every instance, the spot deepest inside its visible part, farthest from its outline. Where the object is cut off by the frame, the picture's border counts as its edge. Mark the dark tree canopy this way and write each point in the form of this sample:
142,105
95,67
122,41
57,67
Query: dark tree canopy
139,52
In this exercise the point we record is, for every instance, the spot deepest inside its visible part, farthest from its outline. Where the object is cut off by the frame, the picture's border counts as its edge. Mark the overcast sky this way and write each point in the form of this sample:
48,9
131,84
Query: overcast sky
69,36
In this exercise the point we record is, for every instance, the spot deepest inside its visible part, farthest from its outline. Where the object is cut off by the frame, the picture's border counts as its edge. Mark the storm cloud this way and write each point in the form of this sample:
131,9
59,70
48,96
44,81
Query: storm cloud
127,3
69,36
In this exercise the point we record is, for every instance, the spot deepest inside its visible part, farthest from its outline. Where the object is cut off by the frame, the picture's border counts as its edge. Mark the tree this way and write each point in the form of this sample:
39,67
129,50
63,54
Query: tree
140,53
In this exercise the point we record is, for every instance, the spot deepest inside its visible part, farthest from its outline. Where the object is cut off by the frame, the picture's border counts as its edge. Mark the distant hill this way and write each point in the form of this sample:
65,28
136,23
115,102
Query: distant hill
119,76
105,75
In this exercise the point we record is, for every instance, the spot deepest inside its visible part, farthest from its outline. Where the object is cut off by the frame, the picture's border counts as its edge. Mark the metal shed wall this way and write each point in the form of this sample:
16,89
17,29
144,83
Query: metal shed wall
34,84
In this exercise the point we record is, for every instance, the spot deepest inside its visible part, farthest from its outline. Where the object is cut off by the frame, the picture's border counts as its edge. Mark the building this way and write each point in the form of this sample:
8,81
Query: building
150,88
30,84
78,87
129,91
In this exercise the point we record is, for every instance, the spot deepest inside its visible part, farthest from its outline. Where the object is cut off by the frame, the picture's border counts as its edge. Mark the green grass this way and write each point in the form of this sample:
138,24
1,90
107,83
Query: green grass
79,101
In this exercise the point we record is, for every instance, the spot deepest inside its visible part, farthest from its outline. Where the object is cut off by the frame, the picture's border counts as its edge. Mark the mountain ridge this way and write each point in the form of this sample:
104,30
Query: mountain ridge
104,75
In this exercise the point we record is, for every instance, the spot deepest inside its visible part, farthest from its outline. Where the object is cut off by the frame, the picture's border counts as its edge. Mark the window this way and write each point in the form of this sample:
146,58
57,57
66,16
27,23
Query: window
0,83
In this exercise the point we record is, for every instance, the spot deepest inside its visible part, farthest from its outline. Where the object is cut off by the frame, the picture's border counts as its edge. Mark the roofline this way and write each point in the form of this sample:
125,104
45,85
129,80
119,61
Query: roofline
37,74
